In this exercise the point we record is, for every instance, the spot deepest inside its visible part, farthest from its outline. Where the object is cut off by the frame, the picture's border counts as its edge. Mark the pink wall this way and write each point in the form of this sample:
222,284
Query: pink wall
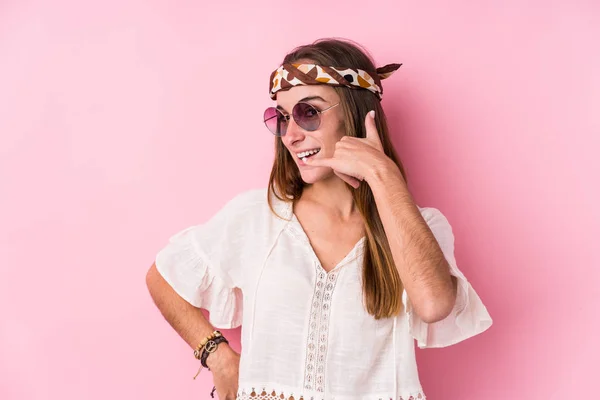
114,135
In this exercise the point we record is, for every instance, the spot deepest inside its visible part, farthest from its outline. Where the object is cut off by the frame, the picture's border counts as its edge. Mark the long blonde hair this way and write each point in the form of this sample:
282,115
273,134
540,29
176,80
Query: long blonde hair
382,287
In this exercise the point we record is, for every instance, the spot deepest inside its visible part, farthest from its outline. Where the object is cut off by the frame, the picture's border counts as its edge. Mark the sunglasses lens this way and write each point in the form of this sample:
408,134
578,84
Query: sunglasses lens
275,121
306,116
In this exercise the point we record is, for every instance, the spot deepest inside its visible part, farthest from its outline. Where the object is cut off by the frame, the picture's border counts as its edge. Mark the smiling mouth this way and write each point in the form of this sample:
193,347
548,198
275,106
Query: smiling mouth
306,154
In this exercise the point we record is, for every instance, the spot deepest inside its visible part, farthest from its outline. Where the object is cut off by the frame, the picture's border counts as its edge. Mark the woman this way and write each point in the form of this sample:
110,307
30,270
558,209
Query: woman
340,271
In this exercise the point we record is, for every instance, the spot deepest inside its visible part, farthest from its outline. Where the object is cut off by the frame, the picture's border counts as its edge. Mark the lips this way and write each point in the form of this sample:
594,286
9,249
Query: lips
308,153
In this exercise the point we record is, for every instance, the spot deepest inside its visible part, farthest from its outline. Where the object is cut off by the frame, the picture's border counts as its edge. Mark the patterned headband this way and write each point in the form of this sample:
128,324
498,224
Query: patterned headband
290,75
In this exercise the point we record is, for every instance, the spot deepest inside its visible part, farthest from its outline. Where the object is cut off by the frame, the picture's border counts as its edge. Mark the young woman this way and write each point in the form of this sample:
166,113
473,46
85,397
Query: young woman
332,270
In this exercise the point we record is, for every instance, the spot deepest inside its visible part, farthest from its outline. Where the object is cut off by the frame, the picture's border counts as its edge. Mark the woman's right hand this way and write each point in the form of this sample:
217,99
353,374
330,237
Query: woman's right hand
224,364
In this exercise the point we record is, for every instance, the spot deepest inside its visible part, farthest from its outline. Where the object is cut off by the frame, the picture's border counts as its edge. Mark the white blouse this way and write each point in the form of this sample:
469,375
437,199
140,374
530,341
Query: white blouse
305,332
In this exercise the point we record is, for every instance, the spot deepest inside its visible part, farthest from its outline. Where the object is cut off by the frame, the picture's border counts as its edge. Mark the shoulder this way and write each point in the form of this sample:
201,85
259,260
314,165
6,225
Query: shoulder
432,214
243,225
247,199
253,206
437,221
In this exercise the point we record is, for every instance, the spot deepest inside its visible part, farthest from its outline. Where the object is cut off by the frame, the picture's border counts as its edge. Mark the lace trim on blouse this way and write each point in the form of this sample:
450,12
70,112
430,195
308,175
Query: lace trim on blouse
314,378
317,341
252,394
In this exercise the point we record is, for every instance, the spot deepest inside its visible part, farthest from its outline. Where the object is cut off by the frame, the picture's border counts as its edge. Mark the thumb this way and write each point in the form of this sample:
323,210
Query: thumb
371,129
320,162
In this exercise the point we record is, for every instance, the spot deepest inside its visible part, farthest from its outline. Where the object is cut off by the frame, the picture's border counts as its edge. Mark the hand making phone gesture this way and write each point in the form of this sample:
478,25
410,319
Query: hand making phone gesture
357,159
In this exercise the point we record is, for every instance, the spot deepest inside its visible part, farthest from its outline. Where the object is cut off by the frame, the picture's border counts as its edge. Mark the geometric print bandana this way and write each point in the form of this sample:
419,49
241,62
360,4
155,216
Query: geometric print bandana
290,75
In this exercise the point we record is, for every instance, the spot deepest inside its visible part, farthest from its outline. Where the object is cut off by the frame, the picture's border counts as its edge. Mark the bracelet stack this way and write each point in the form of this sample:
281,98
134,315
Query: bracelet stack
207,346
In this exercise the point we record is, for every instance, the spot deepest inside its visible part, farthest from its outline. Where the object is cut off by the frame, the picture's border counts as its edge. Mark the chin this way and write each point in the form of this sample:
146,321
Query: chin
314,176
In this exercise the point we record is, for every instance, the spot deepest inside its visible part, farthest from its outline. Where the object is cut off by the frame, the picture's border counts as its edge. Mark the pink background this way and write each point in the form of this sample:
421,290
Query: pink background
115,133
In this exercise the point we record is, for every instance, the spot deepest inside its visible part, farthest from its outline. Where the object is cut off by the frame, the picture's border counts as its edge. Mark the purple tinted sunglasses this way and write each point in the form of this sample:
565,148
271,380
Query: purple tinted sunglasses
305,115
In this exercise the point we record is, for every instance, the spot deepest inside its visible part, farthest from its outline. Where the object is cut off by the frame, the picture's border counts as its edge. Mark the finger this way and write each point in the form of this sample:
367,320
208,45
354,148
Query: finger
348,142
321,162
350,180
371,129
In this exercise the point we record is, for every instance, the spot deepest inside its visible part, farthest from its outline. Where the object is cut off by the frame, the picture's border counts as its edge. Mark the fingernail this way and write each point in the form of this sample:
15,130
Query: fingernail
372,113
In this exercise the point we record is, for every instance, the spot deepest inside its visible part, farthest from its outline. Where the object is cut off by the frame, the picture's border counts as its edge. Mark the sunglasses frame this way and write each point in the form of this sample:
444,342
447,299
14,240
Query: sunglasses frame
287,117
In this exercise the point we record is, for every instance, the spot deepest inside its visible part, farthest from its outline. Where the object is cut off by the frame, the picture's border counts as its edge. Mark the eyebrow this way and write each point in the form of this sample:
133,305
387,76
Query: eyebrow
308,98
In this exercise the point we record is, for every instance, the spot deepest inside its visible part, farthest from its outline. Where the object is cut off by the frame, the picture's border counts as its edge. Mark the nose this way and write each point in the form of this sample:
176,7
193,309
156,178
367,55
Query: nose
293,133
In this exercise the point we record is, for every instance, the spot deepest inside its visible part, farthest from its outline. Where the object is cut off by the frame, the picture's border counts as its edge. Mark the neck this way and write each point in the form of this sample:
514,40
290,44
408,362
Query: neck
333,195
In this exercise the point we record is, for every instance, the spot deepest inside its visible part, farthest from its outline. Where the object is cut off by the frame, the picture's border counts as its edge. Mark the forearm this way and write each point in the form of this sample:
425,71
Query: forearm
419,259
188,321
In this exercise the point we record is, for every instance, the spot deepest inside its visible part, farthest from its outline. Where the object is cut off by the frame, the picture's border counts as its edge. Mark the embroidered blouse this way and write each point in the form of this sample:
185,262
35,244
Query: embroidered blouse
305,332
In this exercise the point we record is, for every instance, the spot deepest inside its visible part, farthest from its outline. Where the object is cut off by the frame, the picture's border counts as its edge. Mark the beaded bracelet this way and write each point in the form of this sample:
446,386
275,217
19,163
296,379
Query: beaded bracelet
198,350
208,345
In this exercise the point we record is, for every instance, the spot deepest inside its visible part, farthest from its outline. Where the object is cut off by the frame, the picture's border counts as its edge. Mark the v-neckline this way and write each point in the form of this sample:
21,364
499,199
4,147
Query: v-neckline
299,229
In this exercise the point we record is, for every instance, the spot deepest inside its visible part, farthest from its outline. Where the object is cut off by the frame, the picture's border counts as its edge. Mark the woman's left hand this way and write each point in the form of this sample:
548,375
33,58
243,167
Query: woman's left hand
355,159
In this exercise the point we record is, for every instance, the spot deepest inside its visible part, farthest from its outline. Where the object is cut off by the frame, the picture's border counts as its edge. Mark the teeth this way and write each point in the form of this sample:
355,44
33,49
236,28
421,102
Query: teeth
305,154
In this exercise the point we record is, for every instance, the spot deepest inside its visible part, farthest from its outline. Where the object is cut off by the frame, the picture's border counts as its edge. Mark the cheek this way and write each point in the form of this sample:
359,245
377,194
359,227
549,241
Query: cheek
336,129
285,145
331,138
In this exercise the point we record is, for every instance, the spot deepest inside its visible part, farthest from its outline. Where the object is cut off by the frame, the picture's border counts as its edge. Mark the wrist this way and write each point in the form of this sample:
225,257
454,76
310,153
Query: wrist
220,356
382,172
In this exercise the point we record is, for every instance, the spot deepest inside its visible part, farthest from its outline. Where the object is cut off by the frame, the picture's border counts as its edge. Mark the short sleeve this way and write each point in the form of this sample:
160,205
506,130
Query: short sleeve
202,264
469,316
